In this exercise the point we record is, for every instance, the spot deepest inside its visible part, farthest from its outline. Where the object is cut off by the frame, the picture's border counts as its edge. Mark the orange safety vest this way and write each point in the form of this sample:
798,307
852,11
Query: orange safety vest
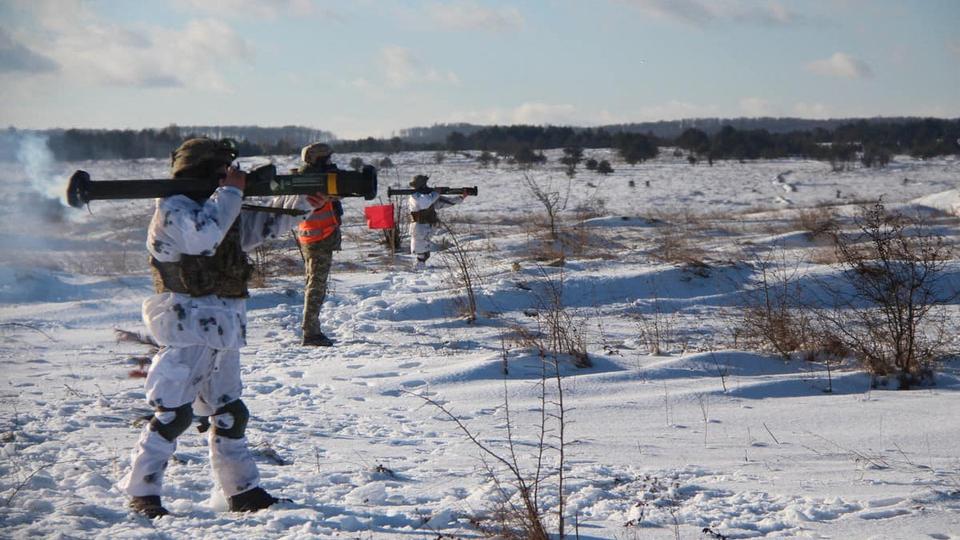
323,222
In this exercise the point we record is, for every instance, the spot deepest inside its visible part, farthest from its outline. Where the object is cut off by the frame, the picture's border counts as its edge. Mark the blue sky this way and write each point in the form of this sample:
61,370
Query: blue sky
369,68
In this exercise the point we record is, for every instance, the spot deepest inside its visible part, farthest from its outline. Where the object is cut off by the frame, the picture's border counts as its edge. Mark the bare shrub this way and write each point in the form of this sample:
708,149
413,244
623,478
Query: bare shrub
675,244
553,200
519,512
773,317
891,314
817,222
558,330
657,330
823,256
462,272
272,259
828,350
393,237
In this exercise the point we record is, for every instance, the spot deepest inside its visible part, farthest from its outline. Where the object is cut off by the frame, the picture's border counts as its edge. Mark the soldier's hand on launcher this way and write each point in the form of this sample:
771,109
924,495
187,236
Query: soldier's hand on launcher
234,178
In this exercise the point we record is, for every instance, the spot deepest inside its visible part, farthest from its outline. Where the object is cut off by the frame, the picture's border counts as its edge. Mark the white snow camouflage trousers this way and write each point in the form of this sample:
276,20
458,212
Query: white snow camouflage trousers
199,362
189,370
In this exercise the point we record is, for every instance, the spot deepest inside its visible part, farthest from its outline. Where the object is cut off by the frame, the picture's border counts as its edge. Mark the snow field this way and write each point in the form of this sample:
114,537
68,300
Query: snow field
702,436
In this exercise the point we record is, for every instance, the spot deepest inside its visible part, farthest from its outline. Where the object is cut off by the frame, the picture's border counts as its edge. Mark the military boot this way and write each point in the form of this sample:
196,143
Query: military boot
253,500
317,340
148,505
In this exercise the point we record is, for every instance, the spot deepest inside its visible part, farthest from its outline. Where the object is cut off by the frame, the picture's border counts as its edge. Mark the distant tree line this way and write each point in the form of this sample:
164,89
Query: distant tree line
872,142
83,144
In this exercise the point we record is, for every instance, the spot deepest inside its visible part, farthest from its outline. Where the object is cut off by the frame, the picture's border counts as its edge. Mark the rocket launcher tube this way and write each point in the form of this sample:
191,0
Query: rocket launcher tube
262,181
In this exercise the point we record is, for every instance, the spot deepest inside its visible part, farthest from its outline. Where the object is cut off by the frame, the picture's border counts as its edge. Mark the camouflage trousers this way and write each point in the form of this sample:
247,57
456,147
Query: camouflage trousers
318,259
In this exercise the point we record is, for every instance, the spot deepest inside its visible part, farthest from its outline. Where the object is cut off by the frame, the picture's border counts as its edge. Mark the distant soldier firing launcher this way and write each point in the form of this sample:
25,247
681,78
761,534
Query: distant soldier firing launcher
423,202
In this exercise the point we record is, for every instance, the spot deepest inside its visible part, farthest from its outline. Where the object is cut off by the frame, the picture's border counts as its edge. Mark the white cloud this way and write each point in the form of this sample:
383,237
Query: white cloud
192,56
703,12
447,77
401,69
534,113
468,15
754,106
673,110
258,9
91,50
544,113
812,110
841,65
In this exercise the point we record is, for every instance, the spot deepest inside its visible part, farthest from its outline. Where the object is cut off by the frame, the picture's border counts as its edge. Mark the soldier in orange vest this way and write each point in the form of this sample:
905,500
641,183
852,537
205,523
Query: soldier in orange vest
319,236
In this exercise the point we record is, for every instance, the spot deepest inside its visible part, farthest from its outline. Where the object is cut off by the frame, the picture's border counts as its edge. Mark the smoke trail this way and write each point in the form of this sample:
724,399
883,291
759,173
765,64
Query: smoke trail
31,194
37,161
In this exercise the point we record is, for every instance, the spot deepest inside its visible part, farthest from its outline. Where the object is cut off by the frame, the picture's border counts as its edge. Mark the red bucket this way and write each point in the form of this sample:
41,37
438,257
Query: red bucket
379,217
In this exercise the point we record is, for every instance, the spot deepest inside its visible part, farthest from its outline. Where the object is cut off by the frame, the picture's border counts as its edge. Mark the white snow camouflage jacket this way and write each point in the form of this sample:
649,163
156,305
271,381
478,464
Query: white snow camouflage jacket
420,232
182,226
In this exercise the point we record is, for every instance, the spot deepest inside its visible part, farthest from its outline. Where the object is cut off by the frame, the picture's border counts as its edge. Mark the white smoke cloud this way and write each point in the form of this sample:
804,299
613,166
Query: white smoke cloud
37,161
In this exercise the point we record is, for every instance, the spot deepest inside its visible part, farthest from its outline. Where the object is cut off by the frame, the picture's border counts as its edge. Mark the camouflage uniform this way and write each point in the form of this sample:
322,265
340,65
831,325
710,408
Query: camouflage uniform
317,254
318,257
198,316
423,206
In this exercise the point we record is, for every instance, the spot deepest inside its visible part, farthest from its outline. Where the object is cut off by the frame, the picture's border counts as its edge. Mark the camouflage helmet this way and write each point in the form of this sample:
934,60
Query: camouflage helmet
419,181
202,152
315,152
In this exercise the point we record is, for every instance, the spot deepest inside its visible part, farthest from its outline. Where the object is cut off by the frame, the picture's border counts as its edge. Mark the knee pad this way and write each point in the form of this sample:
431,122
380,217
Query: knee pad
230,421
170,423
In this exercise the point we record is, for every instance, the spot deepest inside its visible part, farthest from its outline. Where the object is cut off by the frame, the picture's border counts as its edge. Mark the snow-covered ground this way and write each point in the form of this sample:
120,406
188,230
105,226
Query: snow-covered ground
704,440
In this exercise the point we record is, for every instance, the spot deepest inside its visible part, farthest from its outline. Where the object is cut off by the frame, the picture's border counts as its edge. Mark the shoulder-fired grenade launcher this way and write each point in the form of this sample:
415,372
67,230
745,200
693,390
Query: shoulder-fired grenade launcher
261,181
441,190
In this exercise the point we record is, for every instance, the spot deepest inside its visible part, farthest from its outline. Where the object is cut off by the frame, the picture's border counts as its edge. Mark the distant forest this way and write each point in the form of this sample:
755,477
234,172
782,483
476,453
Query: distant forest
84,144
872,142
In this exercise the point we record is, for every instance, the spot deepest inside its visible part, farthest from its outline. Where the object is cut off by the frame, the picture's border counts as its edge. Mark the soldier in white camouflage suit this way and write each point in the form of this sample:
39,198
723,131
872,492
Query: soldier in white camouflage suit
423,205
198,316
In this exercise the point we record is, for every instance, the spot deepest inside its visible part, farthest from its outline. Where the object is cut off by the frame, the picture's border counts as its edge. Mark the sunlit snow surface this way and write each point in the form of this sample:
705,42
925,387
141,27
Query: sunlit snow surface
657,445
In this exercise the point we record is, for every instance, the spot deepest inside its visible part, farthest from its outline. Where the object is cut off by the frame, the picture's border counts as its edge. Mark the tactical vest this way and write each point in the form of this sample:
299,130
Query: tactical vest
427,215
224,274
